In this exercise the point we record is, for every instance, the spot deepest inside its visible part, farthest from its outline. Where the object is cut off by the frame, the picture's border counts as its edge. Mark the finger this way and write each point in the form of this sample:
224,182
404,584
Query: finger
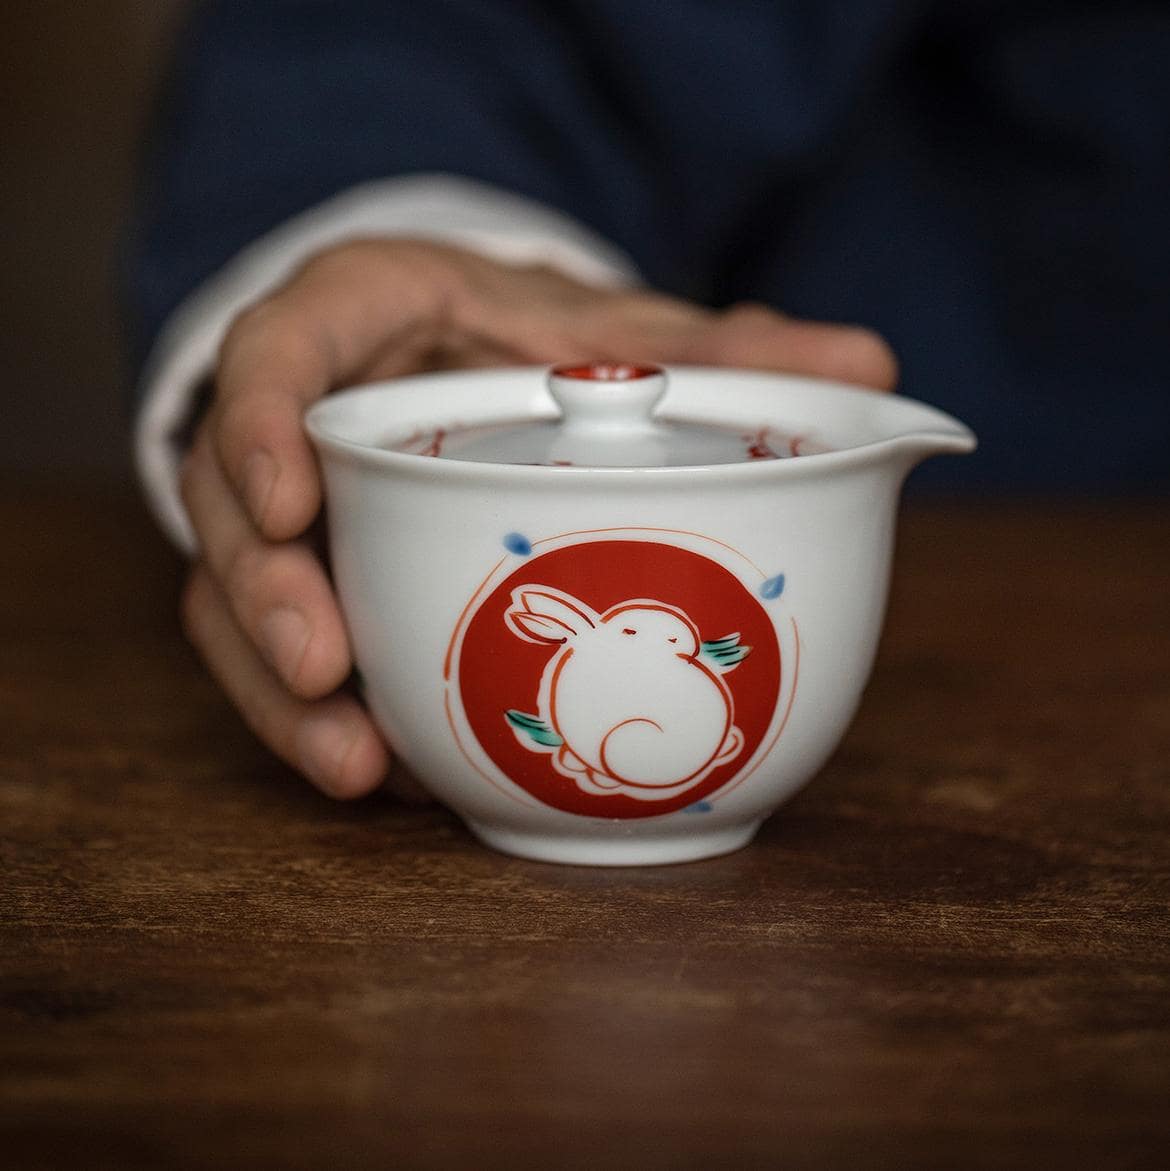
332,741
393,305
279,357
279,594
454,353
543,316
396,307
754,336
549,317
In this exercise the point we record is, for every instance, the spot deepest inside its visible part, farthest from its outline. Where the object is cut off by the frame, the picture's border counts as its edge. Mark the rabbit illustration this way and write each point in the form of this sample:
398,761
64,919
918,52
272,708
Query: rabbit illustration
633,700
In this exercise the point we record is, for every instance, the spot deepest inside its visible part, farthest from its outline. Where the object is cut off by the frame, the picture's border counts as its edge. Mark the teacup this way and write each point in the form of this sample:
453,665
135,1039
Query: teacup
608,621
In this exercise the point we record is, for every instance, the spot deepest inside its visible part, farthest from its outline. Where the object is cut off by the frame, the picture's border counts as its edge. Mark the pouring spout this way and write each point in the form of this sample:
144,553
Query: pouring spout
951,440
914,431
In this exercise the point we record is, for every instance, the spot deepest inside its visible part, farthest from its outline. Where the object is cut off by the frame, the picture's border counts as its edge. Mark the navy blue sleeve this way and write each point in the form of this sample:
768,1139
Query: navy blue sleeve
277,104
650,123
984,183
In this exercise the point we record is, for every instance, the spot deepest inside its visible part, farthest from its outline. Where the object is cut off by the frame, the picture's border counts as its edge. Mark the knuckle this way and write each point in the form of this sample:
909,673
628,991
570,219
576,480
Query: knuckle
263,329
260,419
744,326
433,278
362,259
259,577
246,574
251,321
337,260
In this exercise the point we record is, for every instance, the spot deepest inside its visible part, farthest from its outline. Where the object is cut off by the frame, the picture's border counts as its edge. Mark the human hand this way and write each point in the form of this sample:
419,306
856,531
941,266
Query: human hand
258,605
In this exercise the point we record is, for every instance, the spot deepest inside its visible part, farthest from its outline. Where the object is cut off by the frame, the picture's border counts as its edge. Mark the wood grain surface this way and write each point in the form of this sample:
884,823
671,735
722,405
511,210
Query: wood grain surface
951,950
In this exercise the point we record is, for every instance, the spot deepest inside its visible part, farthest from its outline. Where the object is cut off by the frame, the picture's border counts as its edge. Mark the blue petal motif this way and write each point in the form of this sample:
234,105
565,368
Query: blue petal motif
773,587
518,543
699,807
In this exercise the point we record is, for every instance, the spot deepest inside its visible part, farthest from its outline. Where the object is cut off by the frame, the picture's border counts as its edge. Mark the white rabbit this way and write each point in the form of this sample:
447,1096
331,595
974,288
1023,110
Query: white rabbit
633,700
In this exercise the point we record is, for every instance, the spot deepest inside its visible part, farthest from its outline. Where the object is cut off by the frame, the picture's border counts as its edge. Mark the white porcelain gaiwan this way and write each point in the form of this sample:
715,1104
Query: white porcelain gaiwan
621,622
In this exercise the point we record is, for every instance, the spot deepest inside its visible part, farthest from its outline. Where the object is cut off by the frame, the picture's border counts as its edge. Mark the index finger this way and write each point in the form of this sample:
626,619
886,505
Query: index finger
286,352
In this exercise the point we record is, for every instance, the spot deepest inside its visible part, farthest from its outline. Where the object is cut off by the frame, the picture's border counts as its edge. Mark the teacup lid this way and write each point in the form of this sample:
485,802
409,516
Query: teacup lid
607,419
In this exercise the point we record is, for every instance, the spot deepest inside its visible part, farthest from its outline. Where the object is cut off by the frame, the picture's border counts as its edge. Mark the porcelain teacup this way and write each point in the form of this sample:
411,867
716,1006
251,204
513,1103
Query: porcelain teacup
616,615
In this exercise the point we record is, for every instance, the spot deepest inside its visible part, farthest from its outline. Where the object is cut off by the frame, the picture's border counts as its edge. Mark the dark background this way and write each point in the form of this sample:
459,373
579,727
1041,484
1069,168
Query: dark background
77,80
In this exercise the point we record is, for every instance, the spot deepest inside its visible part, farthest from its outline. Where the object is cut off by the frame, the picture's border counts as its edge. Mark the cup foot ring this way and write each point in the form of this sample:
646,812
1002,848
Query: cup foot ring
603,850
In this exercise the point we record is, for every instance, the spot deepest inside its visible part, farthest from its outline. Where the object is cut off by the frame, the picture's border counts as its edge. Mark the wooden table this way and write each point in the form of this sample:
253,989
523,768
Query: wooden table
952,950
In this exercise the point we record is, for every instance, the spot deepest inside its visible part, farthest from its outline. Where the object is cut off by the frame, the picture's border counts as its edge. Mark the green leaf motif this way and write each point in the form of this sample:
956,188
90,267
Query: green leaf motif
534,728
726,651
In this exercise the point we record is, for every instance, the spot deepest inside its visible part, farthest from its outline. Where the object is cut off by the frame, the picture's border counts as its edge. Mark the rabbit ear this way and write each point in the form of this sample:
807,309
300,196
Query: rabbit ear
543,614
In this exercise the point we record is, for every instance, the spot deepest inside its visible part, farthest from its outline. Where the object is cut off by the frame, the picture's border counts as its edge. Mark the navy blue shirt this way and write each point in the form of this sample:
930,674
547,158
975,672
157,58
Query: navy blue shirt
985,183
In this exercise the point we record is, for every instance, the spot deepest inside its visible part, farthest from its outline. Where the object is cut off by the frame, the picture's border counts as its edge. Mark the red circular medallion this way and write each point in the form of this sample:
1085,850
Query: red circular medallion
619,678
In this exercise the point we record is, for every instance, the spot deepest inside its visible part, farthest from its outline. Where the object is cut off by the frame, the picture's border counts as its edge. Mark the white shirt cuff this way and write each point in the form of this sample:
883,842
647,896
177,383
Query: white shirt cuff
445,208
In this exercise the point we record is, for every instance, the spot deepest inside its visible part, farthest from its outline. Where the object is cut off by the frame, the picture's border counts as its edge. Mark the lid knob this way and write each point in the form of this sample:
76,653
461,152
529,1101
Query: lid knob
607,395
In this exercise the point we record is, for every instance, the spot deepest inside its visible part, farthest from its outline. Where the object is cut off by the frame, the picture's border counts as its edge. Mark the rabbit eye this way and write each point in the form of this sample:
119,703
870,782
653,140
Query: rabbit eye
672,640
629,630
